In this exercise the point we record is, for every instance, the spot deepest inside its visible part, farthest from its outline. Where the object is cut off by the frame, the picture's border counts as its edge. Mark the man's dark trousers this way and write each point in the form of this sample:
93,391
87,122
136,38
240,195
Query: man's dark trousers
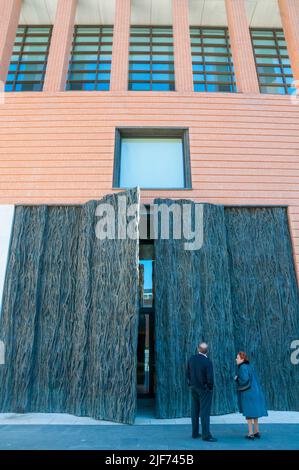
201,407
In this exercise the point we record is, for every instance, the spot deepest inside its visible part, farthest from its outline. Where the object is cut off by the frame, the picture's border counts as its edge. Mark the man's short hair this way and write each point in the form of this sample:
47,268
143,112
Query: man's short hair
203,348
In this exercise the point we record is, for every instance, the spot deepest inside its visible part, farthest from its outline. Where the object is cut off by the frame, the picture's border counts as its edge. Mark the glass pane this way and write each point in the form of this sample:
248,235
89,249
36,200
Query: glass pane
272,70
135,39
140,30
87,57
139,76
30,48
30,77
216,59
38,39
264,42
103,86
152,163
83,76
88,30
28,87
163,76
267,60
219,41
32,58
199,87
219,88
217,68
146,286
140,57
139,48
140,66
162,39
89,48
83,66
273,90
213,32
197,68
162,48
163,87
31,67
105,57
269,80
104,76
139,86
36,30
88,39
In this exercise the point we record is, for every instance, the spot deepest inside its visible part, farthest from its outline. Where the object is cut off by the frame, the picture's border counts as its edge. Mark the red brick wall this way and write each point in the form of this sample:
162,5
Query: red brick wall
59,148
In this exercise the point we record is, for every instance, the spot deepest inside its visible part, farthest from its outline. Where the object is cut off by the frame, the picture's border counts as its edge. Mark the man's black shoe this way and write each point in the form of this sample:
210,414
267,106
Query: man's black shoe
257,435
210,439
196,436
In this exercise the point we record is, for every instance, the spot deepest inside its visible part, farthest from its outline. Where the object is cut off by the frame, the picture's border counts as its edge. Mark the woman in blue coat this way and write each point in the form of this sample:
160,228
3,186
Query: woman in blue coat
250,395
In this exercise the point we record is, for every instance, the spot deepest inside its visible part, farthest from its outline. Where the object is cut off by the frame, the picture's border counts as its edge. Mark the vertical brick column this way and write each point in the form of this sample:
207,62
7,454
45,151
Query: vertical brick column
120,49
60,48
242,51
293,215
182,46
289,11
9,19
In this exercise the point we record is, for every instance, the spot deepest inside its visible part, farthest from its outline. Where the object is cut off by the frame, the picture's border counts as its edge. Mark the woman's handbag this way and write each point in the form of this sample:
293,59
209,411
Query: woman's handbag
243,388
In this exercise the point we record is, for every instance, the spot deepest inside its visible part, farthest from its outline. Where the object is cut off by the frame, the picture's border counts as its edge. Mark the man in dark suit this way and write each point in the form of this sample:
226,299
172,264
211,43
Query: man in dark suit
201,381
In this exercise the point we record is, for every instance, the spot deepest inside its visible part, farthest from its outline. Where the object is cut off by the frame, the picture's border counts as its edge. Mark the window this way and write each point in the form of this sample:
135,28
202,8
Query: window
272,61
212,60
29,59
151,60
152,158
90,64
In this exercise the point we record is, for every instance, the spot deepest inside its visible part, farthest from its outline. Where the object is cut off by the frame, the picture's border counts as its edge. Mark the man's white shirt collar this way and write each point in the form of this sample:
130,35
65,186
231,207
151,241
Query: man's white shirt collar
203,354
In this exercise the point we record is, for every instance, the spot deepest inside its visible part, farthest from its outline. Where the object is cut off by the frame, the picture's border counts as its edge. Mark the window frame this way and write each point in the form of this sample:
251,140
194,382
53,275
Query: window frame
151,44
200,32
277,56
153,132
23,32
99,43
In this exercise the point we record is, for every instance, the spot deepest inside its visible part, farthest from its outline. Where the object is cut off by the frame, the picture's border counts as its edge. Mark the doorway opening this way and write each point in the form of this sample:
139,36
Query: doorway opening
146,331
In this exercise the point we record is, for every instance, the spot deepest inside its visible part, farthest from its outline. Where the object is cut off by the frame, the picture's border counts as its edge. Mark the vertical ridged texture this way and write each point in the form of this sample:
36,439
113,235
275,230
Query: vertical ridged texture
241,45
293,220
120,49
182,46
70,315
265,298
193,303
60,47
289,12
238,292
9,18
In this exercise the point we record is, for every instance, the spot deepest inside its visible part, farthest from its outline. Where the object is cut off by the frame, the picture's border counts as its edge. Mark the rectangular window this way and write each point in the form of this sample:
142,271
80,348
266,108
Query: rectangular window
272,61
29,59
152,158
90,64
212,61
151,59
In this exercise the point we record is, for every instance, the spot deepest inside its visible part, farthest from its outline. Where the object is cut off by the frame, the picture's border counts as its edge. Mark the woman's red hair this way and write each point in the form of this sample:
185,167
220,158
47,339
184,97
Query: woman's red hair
243,356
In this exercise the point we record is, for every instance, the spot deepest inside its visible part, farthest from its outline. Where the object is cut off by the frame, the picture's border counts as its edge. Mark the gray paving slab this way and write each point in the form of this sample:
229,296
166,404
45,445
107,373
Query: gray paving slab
148,437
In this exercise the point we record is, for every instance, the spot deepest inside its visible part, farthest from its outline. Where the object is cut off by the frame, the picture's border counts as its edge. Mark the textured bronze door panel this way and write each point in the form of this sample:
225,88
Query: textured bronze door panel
70,315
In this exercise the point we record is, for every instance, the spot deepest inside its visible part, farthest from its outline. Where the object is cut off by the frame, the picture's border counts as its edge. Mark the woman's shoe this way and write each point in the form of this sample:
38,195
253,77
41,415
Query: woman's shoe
250,437
257,435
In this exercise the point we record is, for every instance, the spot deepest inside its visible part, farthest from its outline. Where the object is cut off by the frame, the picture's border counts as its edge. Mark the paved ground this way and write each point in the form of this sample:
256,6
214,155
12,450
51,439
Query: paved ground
149,437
